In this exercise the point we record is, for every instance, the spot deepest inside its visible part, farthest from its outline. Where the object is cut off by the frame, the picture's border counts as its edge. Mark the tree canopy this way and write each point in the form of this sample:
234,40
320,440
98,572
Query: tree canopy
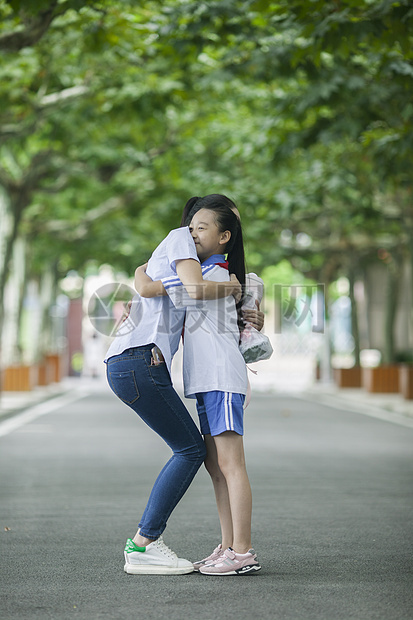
113,113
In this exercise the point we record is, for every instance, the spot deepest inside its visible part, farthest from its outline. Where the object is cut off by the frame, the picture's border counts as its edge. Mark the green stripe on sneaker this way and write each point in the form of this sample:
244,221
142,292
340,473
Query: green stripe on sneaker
131,547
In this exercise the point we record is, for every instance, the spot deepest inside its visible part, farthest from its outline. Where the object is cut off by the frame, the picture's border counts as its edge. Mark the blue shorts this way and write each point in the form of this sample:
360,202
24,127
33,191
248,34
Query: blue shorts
220,411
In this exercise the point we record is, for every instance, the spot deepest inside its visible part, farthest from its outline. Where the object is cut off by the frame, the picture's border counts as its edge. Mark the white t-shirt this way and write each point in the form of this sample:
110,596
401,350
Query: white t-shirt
212,359
156,319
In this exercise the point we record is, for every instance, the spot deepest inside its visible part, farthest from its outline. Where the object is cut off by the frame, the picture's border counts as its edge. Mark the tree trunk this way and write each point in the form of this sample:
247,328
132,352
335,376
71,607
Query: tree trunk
410,247
21,296
17,212
354,315
48,290
326,276
394,271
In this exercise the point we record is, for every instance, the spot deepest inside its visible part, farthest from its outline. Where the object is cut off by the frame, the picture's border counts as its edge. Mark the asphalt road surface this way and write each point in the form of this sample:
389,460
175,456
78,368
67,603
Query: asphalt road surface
332,521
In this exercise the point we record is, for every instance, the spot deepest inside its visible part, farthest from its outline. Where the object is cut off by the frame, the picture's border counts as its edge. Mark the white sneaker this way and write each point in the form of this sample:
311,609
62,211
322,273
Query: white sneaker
154,559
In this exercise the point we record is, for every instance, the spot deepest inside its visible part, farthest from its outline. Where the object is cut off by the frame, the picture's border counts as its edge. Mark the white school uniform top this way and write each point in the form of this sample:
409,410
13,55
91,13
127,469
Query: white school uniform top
156,319
212,359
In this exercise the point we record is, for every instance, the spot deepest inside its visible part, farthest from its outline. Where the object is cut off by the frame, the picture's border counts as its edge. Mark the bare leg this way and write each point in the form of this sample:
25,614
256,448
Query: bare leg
221,492
231,463
141,541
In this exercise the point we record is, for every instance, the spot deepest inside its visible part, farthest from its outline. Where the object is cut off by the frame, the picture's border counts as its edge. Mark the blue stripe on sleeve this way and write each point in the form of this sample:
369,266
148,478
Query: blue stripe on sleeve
171,285
174,281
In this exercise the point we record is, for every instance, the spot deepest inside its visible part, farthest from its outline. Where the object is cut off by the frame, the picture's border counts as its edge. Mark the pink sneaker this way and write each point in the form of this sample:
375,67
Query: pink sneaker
231,563
215,555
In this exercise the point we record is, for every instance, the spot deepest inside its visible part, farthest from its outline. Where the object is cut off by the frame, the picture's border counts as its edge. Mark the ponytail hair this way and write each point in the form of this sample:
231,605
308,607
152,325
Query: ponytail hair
235,251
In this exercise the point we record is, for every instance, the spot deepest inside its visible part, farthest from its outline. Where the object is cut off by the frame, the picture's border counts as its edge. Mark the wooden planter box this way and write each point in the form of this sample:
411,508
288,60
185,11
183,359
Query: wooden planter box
347,377
55,364
383,379
406,380
20,378
46,370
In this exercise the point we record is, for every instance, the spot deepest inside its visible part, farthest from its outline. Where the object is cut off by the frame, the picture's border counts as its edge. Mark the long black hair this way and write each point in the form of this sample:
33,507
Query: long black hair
226,219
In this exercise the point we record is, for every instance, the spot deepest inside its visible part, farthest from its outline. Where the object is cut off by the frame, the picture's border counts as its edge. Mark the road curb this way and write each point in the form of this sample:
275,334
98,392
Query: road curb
383,411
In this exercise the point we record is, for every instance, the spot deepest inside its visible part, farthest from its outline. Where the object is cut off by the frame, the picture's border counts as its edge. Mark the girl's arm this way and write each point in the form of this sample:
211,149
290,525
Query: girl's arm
147,287
190,273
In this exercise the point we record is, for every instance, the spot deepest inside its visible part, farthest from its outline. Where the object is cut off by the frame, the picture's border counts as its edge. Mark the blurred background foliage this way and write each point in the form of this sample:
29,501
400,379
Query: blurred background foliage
113,113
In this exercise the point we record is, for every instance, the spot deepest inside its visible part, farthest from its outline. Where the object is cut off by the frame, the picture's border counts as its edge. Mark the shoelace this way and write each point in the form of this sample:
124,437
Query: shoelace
164,548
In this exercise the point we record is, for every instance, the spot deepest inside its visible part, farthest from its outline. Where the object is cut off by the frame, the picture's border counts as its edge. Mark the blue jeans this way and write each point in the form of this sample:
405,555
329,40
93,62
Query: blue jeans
147,389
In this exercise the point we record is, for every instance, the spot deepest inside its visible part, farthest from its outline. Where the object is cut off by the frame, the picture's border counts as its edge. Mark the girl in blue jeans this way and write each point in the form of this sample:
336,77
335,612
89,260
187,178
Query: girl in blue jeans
138,371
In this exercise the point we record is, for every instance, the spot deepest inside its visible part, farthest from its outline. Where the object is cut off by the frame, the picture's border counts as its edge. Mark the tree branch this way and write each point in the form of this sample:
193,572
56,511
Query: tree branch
35,27
33,31
17,130
81,229
63,95
44,104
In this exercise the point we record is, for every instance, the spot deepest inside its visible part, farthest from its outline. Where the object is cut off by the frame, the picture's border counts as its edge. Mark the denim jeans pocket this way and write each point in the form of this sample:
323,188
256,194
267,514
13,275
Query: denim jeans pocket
124,385
160,375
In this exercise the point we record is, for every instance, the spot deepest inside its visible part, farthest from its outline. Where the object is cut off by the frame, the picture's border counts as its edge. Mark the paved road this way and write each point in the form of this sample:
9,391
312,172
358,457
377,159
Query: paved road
332,517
